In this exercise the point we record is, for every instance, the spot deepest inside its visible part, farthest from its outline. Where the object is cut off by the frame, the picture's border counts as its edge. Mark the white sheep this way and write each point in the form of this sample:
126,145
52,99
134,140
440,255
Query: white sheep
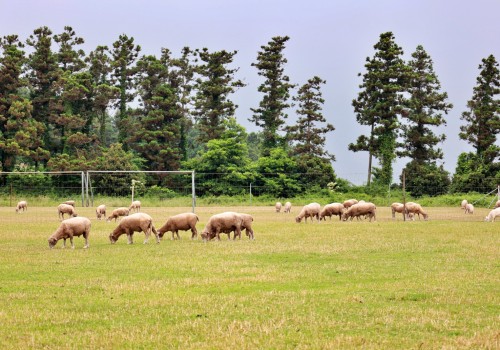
463,204
397,208
134,223
72,203
65,209
497,204
69,228
100,212
184,222
288,207
277,207
136,205
350,202
492,215
469,208
330,210
310,210
222,223
116,213
360,209
413,208
21,205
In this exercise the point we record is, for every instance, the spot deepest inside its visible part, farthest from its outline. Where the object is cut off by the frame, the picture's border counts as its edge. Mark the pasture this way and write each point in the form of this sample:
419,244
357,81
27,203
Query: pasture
333,285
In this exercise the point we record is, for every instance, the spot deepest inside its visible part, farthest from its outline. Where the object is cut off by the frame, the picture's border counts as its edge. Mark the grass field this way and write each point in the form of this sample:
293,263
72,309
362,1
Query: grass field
333,285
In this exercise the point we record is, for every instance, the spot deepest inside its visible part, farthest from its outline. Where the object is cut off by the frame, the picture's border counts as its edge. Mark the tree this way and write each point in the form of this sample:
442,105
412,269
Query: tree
378,106
211,104
482,120
270,115
124,56
307,137
423,109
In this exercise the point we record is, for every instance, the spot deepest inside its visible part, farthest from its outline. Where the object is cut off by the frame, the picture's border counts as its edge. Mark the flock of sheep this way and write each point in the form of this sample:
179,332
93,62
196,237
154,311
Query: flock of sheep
226,222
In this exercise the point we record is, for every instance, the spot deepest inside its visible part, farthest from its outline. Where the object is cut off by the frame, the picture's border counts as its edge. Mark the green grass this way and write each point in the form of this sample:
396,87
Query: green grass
382,285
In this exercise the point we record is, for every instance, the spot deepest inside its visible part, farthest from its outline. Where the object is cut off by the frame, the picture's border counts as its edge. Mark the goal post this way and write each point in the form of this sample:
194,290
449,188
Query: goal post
122,183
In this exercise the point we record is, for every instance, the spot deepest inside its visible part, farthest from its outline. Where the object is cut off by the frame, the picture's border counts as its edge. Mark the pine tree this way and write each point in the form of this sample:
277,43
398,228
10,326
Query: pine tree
215,83
378,106
124,56
270,115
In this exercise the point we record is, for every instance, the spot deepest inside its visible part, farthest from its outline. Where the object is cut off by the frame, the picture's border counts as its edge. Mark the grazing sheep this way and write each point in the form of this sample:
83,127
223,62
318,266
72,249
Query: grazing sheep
492,215
72,203
247,225
288,207
397,208
277,206
79,226
413,208
184,222
331,209
134,223
66,209
310,210
463,204
222,223
135,205
115,214
469,208
361,209
497,204
21,205
349,203
100,212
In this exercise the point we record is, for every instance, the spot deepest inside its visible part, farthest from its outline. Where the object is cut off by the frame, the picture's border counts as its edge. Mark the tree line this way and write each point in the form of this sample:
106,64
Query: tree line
115,109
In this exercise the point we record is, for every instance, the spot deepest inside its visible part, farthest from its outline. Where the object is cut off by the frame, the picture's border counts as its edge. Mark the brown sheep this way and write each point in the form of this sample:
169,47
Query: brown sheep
116,213
469,208
222,223
100,212
397,208
184,222
413,208
288,207
246,225
349,203
361,209
21,205
69,228
135,205
66,209
134,223
310,210
330,210
277,206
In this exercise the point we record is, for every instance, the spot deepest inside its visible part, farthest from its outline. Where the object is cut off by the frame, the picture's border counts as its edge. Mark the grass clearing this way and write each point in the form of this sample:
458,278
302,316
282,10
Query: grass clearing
388,284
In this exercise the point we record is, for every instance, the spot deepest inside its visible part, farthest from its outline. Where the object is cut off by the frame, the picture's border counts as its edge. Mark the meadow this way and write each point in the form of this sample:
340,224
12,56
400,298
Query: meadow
388,284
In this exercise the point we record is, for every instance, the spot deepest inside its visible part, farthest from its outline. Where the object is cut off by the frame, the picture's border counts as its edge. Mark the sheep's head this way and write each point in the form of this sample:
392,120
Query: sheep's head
52,242
205,236
112,239
298,219
161,233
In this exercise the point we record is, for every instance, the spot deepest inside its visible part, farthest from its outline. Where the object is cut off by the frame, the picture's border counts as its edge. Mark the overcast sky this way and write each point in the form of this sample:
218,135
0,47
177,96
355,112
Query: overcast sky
328,38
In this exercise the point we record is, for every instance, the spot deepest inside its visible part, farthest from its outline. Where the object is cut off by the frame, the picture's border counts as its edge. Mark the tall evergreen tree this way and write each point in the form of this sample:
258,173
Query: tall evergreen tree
482,120
215,83
124,56
271,114
378,106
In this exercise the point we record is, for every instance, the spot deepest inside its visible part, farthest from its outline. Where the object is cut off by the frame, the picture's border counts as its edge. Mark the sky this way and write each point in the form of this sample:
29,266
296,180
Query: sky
328,38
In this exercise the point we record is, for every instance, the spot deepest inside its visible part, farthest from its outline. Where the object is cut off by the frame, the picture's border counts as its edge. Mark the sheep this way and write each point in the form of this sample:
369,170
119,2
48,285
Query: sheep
350,202
413,208
492,215
116,213
184,222
21,205
78,226
66,209
463,204
100,211
135,205
288,207
331,209
397,208
310,210
469,208
497,204
247,225
72,203
134,223
223,222
359,209
277,206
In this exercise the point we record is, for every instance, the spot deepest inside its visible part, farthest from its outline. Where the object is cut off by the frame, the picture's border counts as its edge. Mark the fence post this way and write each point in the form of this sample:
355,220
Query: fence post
83,188
193,192
250,193
404,195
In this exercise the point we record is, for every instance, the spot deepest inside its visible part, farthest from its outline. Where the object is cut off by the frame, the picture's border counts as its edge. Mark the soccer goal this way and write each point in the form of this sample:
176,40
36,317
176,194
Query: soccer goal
168,188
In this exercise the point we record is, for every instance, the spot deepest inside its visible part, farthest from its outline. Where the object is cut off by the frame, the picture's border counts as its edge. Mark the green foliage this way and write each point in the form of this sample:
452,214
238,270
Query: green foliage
473,174
426,179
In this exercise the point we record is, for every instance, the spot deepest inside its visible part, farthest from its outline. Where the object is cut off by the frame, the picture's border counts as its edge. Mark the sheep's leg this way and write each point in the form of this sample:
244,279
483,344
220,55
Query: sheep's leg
194,232
217,234
71,241
86,236
177,234
129,238
64,243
